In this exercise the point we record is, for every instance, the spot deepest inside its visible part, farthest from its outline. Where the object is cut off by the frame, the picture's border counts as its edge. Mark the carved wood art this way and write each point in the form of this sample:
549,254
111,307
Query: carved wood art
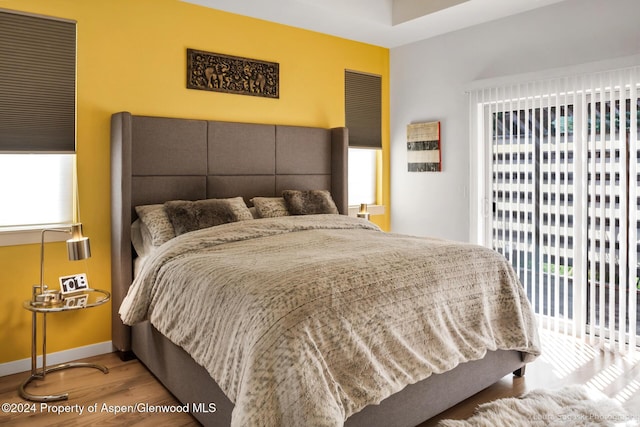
232,74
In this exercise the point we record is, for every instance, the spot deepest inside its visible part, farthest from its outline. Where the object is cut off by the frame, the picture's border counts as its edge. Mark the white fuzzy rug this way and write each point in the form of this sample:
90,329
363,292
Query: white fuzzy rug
570,406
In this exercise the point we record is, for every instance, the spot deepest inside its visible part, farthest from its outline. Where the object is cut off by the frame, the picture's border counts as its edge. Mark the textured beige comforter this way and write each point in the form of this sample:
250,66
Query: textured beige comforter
305,320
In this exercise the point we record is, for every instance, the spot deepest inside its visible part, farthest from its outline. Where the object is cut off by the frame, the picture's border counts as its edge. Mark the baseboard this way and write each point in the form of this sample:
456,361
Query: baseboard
24,365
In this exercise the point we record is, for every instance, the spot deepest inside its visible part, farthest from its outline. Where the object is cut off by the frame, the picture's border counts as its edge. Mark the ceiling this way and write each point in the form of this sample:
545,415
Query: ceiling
386,23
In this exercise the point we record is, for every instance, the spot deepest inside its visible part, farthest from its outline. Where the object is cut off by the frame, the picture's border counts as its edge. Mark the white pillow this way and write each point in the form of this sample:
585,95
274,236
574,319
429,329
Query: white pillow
136,238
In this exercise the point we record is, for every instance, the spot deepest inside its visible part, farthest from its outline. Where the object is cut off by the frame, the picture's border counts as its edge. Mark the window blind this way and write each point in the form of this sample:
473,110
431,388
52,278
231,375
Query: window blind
37,84
363,109
558,166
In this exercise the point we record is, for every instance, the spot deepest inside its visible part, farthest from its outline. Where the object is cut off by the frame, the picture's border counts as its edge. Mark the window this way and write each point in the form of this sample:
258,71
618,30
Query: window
363,118
559,168
362,176
37,124
44,193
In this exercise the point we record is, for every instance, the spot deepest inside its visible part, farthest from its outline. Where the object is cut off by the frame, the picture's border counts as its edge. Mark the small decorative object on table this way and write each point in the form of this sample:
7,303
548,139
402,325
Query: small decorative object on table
73,283
363,212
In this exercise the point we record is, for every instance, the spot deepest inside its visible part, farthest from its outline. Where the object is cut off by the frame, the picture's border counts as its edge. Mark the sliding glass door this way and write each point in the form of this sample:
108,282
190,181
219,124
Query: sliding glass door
611,211
558,167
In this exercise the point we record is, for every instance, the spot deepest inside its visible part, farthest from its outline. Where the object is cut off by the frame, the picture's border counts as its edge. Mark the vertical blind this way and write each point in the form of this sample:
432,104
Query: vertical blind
558,165
37,84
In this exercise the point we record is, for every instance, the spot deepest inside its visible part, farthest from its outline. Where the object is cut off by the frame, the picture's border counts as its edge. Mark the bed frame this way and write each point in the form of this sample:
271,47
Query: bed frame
155,159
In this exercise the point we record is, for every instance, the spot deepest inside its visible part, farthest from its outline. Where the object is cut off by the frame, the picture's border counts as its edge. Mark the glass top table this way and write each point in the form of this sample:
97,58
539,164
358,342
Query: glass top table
73,301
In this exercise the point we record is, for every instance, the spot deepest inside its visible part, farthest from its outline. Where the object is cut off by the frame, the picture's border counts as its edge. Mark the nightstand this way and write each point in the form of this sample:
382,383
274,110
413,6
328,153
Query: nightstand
76,301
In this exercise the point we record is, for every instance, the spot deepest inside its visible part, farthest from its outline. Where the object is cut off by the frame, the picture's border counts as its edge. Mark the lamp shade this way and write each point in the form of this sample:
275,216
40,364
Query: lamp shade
78,246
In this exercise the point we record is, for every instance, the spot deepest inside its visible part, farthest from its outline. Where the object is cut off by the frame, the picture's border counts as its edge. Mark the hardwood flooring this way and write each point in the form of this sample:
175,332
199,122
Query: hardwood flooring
564,361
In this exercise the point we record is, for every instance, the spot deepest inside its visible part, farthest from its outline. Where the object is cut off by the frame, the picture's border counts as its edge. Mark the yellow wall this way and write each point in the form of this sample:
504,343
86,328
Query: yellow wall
132,56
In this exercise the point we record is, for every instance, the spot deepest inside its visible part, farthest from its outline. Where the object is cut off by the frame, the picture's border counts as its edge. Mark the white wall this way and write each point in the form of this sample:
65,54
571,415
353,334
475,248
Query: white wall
429,80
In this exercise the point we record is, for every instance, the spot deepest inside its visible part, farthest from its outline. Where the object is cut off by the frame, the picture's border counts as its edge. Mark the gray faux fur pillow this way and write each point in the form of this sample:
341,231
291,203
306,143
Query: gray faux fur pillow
188,216
309,202
270,207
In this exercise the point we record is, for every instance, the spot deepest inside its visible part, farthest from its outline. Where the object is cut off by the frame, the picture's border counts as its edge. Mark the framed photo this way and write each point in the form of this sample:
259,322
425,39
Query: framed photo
424,153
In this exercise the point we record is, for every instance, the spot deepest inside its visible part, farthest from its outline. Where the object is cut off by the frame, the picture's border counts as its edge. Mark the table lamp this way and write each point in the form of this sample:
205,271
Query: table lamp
77,249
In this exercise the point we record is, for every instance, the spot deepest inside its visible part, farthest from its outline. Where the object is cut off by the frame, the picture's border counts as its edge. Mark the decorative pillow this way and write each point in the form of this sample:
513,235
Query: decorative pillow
136,237
189,216
309,202
270,207
156,222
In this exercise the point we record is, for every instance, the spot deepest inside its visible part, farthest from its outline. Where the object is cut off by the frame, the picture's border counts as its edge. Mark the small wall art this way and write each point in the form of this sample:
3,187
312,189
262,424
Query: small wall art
232,74
424,153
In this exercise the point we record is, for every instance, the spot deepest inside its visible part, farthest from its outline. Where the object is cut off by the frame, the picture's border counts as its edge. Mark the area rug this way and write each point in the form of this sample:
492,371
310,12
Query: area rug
574,405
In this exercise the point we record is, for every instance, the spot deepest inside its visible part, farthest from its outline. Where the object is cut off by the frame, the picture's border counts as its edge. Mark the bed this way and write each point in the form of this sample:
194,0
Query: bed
357,369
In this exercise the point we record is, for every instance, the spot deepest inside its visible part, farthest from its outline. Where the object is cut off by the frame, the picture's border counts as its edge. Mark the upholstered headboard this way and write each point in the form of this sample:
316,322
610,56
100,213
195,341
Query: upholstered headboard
155,159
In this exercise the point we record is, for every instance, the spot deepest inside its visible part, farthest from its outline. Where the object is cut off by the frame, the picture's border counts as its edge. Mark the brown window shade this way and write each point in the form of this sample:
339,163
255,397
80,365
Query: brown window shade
363,109
37,84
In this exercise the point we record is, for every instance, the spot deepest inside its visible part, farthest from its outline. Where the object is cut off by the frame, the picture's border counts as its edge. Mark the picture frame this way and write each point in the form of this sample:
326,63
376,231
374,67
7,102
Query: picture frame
424,153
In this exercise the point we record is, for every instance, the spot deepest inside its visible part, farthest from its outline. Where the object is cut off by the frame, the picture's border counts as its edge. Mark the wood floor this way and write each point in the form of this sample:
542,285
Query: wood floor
565,361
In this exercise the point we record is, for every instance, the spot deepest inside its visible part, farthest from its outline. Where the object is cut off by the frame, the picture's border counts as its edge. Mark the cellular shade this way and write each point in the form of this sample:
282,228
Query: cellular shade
37,84
363,109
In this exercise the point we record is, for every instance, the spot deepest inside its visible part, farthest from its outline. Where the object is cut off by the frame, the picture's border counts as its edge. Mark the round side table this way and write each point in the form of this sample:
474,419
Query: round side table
76,301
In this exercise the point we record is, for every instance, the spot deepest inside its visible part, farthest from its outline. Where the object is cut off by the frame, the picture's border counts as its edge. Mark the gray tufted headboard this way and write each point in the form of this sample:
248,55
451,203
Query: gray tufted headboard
155,159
